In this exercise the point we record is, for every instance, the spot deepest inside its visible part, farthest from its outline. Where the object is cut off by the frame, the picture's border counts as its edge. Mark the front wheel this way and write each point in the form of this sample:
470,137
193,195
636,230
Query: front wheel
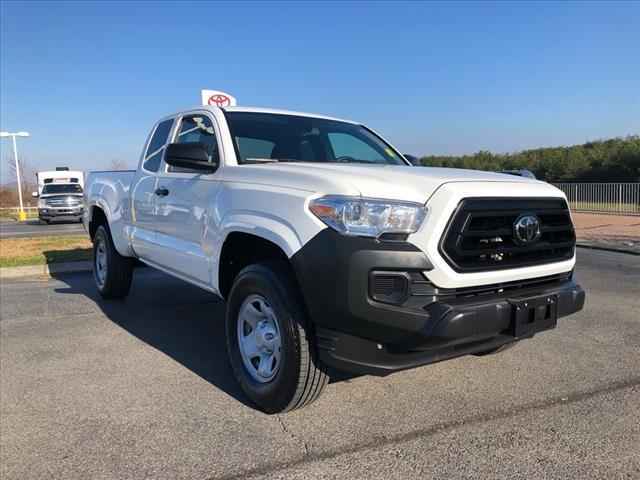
269,341
111,271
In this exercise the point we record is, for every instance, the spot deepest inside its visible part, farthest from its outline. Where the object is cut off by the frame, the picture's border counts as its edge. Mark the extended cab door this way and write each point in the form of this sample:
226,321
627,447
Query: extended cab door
144,195
186,204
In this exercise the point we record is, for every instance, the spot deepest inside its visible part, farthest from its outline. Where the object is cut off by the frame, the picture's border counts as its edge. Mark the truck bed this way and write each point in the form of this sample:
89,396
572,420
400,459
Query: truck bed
110,189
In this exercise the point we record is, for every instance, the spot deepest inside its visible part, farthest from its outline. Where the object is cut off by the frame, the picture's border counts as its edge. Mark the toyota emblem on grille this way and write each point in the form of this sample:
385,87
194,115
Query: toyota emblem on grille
526,229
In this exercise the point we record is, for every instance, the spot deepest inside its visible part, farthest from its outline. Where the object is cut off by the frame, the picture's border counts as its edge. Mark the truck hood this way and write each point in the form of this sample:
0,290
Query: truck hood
415,184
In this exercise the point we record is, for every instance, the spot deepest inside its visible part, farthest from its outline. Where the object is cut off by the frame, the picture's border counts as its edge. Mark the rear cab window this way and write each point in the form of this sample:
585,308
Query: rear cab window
254,148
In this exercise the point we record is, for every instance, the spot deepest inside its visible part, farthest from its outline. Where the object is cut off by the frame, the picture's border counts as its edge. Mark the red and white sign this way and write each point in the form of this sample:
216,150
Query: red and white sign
216,98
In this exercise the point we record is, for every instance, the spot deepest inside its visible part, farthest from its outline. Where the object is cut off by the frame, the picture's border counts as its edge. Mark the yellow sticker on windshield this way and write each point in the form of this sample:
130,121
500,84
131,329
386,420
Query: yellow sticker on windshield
389,152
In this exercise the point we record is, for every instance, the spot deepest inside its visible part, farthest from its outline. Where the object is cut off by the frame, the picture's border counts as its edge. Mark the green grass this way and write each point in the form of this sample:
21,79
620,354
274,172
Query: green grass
13,214
17,252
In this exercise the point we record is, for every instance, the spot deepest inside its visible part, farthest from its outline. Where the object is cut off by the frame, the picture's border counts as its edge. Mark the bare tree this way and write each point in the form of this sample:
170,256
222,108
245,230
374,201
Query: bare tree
117,164
27,177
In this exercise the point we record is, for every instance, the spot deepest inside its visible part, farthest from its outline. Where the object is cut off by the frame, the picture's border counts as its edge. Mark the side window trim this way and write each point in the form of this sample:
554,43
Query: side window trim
163,170
147,155
145,147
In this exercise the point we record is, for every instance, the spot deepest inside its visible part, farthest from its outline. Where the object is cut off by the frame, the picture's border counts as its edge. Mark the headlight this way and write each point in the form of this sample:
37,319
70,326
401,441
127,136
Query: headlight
42,204
368,217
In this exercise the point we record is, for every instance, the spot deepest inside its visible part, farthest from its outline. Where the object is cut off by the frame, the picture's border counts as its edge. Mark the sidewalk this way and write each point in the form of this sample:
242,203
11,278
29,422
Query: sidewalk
608,231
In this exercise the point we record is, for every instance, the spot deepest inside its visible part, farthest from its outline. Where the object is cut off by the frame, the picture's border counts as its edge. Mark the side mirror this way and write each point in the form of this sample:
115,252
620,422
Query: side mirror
415,161
34,194
194,156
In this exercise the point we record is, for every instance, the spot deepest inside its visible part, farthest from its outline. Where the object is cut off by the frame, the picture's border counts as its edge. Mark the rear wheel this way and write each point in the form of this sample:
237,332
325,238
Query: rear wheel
111,271
269,342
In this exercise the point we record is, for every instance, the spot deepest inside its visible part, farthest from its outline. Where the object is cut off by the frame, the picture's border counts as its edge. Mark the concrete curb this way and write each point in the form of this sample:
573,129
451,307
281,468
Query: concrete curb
47,270
606,248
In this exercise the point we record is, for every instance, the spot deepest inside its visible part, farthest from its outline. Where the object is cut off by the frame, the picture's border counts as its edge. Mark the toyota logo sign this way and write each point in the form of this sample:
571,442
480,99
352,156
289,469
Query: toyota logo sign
216,98
526,229
219,100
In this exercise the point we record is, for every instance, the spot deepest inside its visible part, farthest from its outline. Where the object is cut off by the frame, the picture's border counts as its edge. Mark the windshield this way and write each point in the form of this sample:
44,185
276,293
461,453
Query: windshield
268,137
62,188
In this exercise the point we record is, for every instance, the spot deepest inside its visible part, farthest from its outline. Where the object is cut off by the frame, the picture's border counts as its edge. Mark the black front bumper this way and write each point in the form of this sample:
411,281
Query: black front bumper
60,213
362,335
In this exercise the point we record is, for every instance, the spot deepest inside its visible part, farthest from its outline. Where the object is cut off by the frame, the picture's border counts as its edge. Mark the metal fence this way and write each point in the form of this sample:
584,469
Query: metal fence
614,198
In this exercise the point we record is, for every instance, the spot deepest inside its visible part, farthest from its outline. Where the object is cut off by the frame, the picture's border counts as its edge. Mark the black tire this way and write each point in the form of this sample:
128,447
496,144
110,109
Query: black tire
300,378
117,271
495,351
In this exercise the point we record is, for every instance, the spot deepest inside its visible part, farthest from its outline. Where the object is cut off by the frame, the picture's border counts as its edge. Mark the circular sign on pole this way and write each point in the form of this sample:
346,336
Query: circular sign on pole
219,100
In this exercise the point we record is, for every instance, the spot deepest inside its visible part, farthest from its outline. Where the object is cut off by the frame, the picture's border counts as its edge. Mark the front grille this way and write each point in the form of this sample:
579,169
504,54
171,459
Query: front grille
421,287
480,234
64,202
412,289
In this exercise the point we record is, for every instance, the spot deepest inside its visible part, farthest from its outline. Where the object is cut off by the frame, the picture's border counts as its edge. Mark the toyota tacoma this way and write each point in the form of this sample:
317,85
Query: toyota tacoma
331,250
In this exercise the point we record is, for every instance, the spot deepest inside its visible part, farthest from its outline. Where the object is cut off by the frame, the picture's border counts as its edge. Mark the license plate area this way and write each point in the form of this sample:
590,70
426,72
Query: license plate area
531,315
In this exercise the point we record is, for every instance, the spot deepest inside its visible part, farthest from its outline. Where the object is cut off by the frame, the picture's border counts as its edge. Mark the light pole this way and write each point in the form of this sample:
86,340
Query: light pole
21,215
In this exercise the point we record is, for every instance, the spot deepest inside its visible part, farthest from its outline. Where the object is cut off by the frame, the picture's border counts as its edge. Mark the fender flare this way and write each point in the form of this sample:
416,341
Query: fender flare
102,205
118,235
274,229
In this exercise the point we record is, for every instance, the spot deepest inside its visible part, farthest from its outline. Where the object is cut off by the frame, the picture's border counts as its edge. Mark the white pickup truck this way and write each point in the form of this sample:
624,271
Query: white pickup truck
330,249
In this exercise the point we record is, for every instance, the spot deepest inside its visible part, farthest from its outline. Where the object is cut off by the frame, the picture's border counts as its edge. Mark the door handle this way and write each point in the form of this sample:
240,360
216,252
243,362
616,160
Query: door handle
162,191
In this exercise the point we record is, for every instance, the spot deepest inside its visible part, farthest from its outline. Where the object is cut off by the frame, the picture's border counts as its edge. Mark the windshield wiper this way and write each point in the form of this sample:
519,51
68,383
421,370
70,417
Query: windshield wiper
355,160
259,160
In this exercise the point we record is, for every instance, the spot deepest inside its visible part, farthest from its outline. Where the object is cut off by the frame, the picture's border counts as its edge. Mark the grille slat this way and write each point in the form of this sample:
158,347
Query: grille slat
501,288
480,234
63,202
487,233
515,249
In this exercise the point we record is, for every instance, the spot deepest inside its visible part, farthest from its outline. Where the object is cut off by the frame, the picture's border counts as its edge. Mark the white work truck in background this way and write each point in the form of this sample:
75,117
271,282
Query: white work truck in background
331,250
60,194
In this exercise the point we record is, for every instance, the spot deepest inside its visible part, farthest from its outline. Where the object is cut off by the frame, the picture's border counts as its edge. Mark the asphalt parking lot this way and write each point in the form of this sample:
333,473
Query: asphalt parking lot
142,389
33,228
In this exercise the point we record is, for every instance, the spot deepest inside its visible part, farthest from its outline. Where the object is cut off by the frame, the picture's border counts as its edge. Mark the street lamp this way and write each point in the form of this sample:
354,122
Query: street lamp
21,215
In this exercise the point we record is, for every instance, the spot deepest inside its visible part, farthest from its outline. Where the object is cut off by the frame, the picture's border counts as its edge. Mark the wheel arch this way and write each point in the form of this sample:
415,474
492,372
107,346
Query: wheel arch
240,249
97,217
99,214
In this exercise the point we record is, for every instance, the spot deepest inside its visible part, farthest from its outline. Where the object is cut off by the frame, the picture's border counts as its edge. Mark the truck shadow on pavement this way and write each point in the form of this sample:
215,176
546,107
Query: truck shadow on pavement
176,318
182,321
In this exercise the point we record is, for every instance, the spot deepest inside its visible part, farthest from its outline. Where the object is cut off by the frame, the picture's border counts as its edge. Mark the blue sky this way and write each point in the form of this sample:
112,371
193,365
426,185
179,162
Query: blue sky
89,79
